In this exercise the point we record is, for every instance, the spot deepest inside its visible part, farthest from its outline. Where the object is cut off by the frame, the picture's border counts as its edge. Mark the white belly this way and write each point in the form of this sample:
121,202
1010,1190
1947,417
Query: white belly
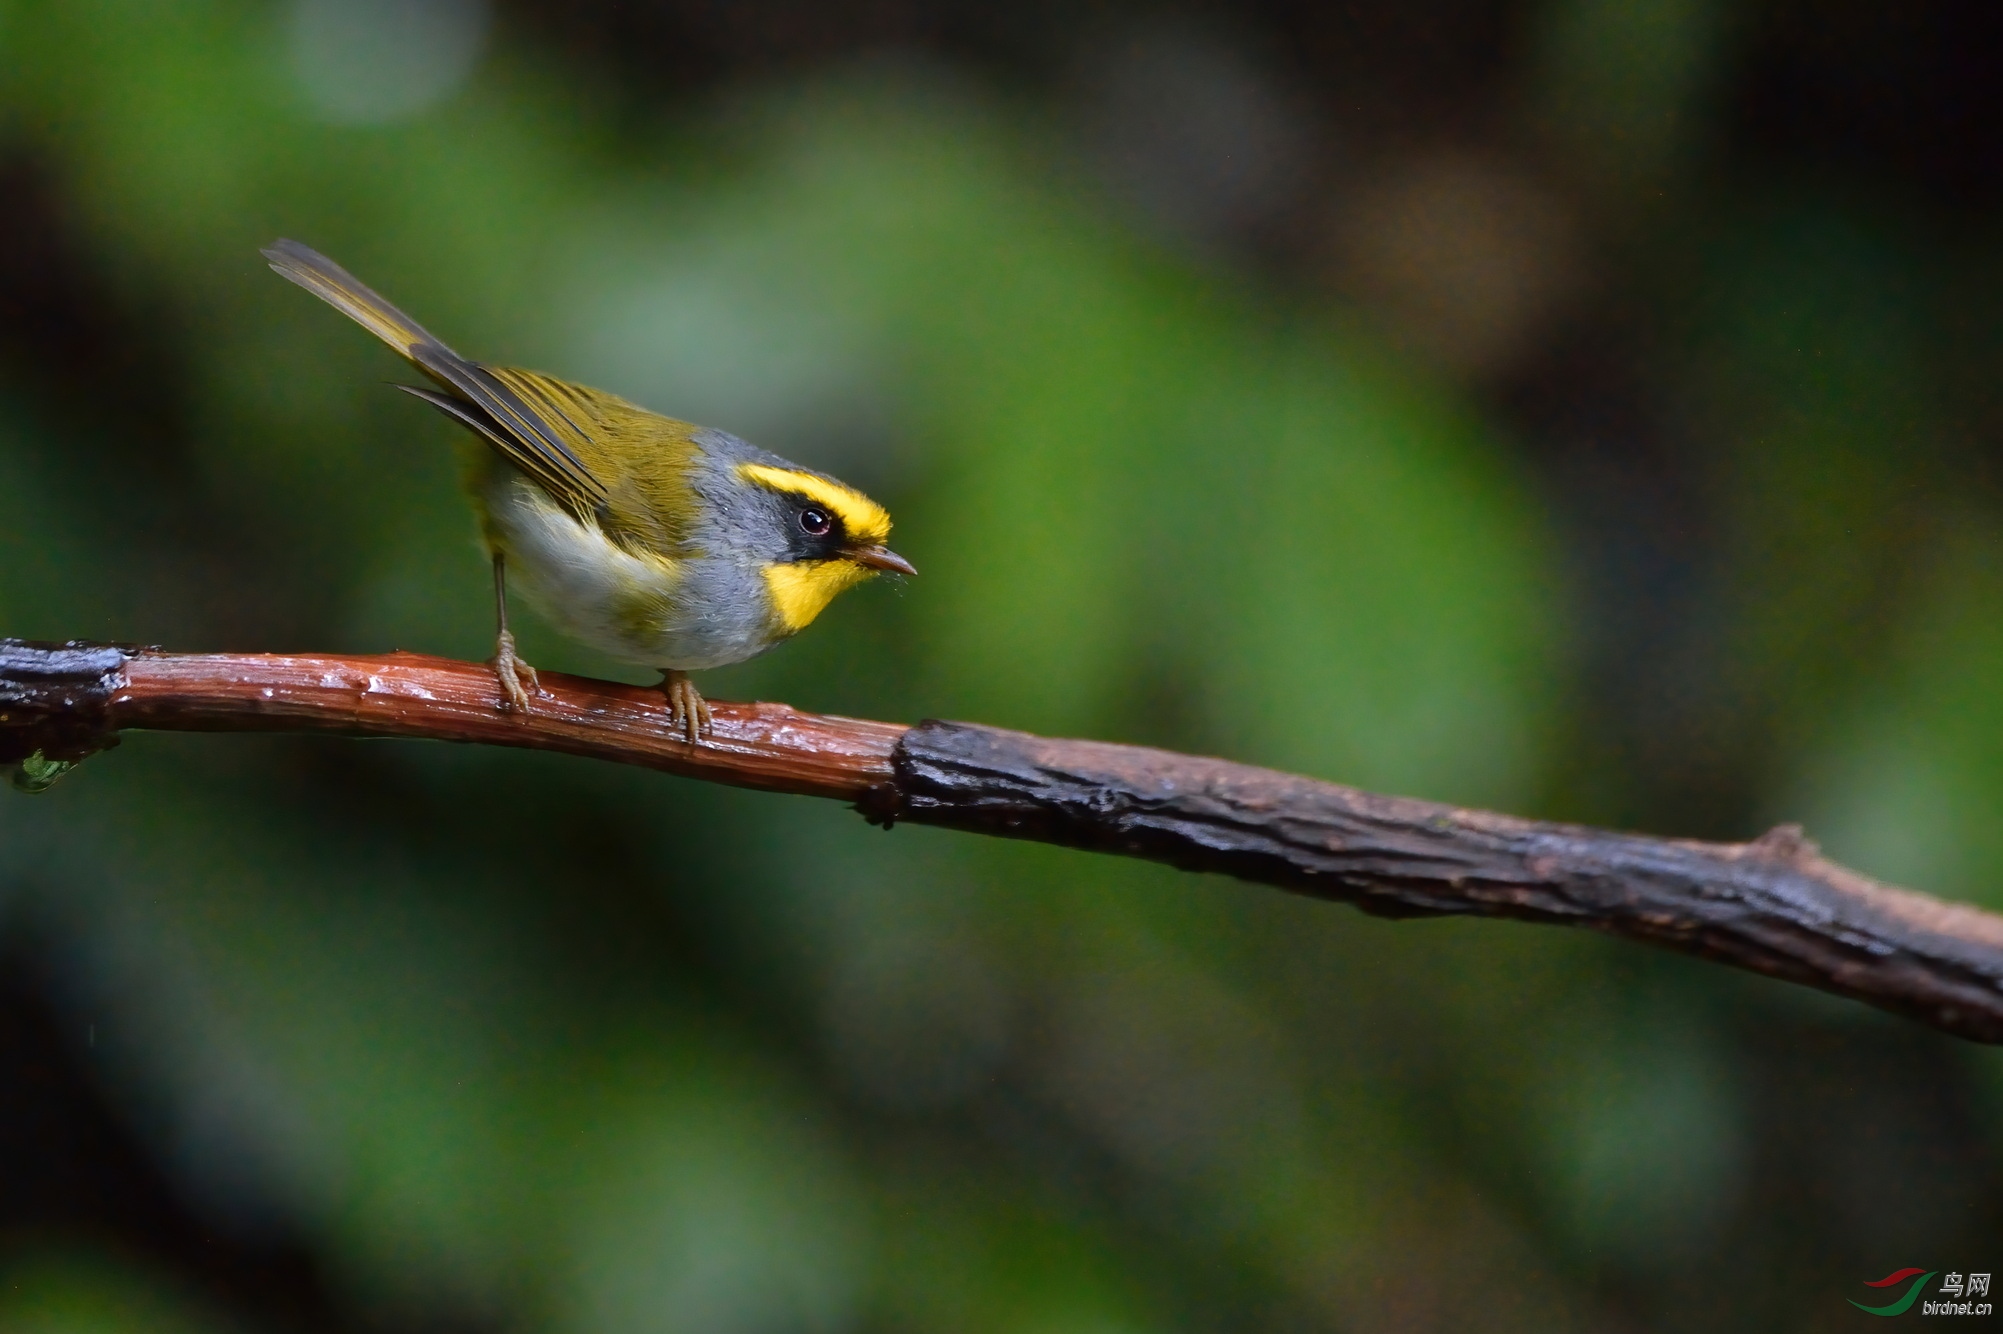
653,610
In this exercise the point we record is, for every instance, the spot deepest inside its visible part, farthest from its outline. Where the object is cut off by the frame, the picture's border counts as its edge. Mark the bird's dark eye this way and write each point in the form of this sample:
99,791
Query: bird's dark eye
815,522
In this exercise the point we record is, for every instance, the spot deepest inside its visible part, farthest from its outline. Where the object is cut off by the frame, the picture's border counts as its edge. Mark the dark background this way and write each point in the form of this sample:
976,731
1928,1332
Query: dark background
1582,408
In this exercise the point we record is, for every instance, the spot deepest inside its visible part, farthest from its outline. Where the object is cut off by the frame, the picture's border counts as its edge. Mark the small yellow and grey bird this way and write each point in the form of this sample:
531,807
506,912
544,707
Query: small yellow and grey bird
660,543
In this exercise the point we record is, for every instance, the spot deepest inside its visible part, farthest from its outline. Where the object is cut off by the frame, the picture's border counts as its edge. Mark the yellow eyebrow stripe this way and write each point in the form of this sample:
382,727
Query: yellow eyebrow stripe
864,519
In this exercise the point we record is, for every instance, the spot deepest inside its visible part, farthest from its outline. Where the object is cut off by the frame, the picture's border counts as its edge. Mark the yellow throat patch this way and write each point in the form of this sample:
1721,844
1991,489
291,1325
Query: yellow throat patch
801,590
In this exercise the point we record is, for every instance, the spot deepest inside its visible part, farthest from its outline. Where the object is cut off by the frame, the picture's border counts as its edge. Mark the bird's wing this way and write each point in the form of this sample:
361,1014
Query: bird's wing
527,425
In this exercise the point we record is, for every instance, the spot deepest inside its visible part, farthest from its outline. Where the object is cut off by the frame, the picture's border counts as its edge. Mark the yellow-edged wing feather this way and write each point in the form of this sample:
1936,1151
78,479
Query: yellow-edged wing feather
517,412
641,457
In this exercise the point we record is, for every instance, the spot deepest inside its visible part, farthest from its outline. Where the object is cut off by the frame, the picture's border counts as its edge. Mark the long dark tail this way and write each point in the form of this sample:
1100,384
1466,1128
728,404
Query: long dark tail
359,302
485,404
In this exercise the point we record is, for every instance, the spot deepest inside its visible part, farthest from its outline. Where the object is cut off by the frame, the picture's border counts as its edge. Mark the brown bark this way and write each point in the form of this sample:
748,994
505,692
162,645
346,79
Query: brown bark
1772,905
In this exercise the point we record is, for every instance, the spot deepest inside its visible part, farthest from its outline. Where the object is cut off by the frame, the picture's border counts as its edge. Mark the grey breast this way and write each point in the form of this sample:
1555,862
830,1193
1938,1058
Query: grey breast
741,528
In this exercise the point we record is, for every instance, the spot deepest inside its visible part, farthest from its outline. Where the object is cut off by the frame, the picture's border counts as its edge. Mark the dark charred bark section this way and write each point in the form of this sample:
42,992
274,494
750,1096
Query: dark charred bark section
1773,905
54,698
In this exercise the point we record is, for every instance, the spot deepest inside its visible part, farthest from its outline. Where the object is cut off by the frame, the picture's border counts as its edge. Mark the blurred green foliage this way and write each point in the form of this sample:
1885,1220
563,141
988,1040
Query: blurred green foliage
58,1294
526,1040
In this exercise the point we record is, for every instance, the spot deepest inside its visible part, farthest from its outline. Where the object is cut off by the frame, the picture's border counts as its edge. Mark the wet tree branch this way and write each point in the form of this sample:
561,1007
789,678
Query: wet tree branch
1774,905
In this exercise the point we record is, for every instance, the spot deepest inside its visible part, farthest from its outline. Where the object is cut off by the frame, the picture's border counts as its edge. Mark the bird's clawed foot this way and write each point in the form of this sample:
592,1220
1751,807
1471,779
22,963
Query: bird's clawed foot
686,707
518,679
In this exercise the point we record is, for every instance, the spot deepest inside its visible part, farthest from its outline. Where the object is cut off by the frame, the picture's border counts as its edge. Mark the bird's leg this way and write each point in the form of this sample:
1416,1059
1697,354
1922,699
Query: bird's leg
686,706
509,670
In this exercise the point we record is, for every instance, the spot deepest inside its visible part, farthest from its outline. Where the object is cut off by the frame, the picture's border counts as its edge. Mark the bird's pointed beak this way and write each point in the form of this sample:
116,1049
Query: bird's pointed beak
882,558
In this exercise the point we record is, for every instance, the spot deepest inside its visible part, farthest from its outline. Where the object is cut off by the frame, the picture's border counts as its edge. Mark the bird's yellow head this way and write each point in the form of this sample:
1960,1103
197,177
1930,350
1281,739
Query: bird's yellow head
835,539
